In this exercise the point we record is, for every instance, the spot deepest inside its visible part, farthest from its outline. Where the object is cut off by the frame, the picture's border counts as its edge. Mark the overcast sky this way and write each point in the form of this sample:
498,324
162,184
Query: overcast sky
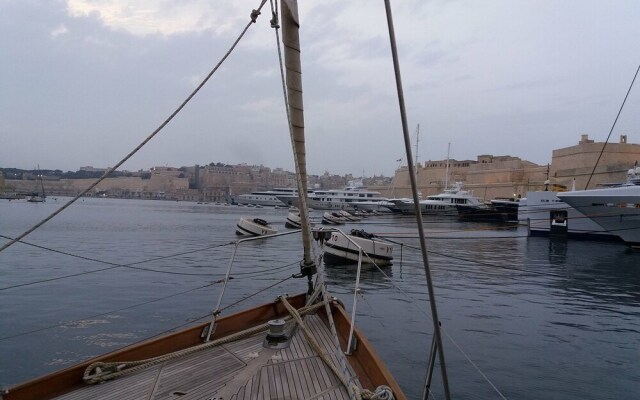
82,82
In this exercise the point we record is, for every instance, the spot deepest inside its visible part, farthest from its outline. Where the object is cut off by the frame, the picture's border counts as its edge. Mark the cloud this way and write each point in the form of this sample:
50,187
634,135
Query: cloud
60,30
159,17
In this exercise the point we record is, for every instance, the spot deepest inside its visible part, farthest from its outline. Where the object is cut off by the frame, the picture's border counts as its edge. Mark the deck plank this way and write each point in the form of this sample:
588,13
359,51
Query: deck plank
296,372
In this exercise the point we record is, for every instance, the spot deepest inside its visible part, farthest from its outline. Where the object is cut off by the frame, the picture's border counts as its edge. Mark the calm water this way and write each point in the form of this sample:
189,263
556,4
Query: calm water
540,319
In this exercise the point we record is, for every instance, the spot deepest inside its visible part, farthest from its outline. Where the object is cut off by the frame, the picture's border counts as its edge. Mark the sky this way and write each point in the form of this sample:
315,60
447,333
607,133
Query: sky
82,82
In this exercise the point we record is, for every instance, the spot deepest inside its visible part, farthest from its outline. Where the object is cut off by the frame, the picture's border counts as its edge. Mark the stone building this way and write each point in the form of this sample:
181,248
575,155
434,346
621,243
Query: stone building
577,162
505,176
488,177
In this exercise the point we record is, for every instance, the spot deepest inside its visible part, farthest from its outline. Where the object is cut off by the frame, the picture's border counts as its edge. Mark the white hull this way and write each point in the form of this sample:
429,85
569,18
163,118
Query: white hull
540,207
265,198
293,220
616,209
254,227
441,204
340,250
333,218
258,200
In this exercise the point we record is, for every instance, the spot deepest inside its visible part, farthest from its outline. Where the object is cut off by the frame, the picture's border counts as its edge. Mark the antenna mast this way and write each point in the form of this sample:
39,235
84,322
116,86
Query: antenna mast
417,142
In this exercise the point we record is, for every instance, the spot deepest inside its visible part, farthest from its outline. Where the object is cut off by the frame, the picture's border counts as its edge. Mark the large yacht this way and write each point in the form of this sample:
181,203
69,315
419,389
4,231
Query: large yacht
616,208
350,198
546,214
353,197
265,197
440,204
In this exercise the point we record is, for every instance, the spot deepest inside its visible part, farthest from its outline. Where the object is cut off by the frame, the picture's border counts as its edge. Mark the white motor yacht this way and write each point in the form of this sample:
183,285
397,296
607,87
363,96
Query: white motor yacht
616,209
441,204
353,197
265,197
546,214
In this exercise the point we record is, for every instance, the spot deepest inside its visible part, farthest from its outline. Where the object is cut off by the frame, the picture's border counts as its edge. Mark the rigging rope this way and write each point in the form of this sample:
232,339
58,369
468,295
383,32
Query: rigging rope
254,15
64,324
130,265
612,126
261,272
412,301
104,371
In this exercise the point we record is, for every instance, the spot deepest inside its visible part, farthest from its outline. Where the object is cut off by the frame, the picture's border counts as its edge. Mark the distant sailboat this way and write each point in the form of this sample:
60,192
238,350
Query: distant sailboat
38,195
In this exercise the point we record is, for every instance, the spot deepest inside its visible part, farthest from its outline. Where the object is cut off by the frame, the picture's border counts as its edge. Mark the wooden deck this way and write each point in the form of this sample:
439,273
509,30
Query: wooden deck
239,370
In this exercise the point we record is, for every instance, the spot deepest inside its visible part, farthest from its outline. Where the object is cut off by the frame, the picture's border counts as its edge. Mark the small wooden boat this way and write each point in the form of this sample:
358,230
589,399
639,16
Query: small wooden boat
254,227
243,359
301,347
345,249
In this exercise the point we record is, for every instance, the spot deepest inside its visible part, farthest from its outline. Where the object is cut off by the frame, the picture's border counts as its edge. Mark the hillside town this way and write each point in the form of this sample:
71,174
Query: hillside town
488,176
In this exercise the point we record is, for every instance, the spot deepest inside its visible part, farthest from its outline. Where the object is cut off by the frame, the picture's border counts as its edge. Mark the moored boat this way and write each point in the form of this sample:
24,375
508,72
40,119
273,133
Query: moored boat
481,213
38,195
507,206
443,204
615,209
264,197
345,249
254,227
546,214
333,218
293,219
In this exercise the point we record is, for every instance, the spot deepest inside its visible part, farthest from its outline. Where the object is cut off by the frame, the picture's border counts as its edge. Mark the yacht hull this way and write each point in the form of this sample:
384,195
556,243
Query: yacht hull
616,210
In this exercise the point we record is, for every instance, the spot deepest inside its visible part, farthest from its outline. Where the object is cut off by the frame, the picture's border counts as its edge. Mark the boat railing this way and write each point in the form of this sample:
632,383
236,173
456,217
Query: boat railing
227,275
356,290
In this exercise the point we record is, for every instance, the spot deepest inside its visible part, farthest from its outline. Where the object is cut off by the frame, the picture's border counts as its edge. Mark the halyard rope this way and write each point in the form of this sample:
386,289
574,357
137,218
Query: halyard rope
381,393
254,15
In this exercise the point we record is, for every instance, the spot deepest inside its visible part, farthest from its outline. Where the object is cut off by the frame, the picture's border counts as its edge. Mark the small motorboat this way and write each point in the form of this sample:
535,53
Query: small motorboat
293,219
349,216
254,227
333,218
343,249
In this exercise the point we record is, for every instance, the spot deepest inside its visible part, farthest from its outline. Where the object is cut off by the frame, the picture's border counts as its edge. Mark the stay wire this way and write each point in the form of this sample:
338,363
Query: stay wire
612,126
254,15
270,271
256,293
113,265
412,301
130,265
64,324
199,318
247,274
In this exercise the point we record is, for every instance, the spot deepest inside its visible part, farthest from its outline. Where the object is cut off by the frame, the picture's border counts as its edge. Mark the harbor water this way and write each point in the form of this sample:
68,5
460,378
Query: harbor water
522,317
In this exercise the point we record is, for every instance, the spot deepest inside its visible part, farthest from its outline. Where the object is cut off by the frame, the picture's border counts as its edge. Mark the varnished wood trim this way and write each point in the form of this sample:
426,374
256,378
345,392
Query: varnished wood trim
365,361
63,381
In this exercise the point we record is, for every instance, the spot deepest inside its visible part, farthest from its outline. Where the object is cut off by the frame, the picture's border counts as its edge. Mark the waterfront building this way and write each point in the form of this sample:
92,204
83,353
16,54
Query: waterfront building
488,177
577,162
505,176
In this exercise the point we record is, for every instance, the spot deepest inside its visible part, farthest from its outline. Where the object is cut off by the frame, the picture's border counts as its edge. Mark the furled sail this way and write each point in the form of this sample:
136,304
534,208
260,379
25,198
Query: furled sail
293,68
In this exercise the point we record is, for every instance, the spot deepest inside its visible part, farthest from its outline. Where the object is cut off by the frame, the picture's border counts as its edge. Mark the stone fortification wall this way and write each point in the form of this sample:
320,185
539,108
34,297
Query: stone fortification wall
576,162
489,177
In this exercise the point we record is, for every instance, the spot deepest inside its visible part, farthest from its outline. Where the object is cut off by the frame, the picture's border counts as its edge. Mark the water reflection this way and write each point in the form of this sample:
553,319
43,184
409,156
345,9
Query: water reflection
345,275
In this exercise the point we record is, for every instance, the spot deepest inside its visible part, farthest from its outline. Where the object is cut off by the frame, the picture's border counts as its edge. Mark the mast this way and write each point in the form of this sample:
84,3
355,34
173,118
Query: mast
417,142
293,67
437,337
446,171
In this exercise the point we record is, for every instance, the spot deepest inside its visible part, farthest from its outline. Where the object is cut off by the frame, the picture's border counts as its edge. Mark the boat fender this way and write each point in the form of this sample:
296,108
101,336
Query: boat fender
260,221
